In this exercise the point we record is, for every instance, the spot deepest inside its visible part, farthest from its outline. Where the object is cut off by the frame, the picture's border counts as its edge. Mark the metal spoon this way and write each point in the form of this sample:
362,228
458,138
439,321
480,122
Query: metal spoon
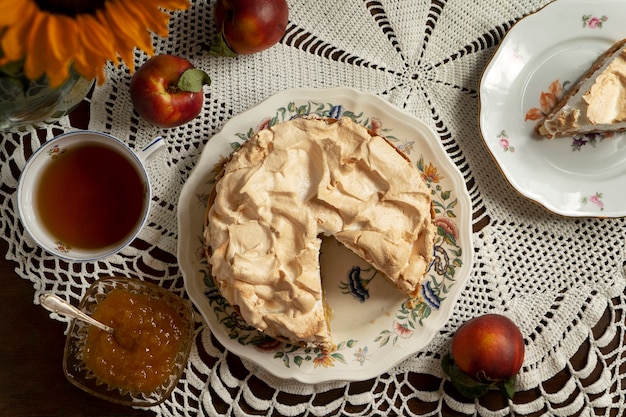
57,305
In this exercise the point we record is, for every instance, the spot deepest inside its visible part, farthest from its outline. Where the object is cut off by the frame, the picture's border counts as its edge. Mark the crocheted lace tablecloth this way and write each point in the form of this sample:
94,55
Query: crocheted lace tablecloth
556,277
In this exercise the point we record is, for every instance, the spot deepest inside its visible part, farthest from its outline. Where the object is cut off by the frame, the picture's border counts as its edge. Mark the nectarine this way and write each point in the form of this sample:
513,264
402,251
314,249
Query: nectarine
248,26
488,348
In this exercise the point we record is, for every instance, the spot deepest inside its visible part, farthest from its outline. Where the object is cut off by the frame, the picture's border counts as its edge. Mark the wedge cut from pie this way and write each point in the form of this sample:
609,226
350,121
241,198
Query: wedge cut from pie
596,103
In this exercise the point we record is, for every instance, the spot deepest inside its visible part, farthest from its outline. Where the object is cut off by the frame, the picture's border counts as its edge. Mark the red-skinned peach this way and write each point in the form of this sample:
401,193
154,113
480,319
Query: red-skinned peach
247,26
162,94
488,348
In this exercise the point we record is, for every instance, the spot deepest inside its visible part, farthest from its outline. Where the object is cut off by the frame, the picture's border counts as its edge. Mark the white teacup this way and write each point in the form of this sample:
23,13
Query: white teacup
85,195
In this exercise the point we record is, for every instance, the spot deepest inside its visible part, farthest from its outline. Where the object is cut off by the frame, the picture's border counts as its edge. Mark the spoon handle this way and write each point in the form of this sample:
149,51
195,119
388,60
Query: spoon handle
57,305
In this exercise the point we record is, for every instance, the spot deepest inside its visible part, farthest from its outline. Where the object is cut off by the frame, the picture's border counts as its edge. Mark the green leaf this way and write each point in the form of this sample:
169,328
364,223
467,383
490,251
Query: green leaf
13,68
219,47
339,357
383,340
193,80
298,360
420,164
445,364
467,386
508,387
471,391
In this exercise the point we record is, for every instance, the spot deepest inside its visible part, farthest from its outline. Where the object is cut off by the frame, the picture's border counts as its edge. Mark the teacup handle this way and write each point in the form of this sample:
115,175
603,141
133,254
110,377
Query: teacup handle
151,149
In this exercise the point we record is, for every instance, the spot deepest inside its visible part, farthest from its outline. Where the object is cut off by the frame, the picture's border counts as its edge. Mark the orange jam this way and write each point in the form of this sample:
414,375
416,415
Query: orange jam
140,355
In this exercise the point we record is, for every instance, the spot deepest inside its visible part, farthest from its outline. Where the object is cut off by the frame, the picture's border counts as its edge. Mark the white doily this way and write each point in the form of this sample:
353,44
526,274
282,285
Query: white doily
555,276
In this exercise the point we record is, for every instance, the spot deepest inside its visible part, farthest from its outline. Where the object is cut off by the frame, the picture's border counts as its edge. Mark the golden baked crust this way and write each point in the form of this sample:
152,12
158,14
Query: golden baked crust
288,185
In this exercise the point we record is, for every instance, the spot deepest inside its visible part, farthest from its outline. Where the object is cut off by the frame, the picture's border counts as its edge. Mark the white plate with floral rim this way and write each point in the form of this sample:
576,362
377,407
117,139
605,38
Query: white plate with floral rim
538,60
374,326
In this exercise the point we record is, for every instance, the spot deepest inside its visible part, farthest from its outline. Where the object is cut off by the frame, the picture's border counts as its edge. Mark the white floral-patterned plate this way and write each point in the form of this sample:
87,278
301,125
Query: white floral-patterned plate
374,326
539,58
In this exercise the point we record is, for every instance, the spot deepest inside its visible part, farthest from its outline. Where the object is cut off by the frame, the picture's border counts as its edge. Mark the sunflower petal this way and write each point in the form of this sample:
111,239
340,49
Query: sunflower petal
100,33
14,11
137,27
12,43
62,36
128,37
34,66
83,65
125,33
96,38
121,23
50,42
53,59
156,21
58,74
172,4
89,60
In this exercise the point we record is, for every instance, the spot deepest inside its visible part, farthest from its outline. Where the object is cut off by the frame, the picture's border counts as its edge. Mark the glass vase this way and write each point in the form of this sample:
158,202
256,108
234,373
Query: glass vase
34,102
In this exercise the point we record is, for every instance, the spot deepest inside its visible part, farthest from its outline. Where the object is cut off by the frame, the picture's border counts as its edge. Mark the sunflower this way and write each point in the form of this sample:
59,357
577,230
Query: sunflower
49,36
